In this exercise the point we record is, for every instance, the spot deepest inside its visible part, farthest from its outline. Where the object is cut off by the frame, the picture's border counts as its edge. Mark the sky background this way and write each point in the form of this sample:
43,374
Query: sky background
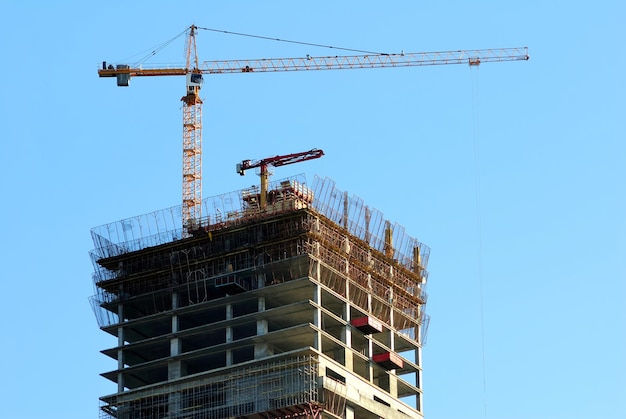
512,173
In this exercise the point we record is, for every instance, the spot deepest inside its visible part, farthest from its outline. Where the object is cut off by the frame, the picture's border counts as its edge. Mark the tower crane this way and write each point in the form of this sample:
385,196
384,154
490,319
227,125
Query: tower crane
194,71
275,161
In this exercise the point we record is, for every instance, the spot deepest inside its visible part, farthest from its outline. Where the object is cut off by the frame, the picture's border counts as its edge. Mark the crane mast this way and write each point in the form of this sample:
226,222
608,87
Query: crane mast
194,71
192,138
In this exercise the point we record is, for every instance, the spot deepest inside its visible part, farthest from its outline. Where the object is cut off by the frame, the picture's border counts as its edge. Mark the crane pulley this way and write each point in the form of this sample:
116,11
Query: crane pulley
275,161
193,70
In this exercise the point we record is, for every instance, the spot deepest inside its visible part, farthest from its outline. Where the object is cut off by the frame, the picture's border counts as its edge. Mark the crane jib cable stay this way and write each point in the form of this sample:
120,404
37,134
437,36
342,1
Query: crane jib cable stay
194,70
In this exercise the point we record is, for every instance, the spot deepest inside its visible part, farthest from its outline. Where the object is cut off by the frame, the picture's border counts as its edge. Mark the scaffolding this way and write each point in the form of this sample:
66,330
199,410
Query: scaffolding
281,389
339,230
350,212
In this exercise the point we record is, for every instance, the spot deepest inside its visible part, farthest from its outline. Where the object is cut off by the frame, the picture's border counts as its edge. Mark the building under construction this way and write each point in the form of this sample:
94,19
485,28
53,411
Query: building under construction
311,306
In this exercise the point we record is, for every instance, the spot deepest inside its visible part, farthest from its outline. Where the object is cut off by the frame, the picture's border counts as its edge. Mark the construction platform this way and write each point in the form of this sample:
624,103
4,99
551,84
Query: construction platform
312,307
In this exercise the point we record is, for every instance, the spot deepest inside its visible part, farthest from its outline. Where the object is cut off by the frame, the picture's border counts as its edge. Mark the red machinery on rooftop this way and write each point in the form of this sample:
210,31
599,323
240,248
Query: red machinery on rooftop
275,161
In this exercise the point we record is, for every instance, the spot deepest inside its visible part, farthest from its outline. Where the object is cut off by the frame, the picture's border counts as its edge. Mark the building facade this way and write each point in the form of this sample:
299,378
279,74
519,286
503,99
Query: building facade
311,307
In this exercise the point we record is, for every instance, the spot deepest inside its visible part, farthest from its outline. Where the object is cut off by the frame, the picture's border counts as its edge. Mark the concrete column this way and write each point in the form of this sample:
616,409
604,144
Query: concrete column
418,361
393,380
345,357
262,349
347,336
317,317
229,334
175,369
369,294
370,366
120,351
261,304
393,384
229,312
174,316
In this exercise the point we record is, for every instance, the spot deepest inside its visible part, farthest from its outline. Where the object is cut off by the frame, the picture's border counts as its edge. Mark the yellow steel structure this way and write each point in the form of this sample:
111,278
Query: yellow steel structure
192,104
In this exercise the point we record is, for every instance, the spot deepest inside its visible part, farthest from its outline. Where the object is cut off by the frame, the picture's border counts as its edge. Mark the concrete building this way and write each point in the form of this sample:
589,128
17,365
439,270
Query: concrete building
311,307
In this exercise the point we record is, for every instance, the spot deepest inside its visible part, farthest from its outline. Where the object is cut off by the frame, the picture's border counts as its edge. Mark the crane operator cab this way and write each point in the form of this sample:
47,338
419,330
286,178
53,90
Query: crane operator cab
194,83
123,79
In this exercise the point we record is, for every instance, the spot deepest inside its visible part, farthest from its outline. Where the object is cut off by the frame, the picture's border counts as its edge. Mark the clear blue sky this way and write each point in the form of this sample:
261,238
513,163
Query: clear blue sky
512,173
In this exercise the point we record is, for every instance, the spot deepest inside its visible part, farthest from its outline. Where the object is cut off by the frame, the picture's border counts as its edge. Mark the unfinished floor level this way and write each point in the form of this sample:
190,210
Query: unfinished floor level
311,307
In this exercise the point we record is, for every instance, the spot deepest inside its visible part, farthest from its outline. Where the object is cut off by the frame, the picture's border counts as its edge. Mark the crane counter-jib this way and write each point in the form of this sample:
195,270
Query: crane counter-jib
134,72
